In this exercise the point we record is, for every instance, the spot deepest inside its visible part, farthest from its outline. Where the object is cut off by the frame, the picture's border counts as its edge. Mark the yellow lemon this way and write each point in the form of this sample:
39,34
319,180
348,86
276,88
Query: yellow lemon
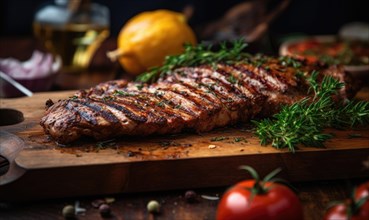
147,38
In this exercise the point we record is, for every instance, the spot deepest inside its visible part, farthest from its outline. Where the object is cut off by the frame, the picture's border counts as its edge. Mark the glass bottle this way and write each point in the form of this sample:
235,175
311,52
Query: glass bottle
73,30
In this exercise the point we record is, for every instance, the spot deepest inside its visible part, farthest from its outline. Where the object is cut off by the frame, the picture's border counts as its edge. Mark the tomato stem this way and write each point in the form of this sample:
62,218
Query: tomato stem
355,205
259,187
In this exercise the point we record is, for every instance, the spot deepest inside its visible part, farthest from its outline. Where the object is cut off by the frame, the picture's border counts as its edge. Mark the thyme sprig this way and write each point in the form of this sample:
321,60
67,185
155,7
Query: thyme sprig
304,121
197,55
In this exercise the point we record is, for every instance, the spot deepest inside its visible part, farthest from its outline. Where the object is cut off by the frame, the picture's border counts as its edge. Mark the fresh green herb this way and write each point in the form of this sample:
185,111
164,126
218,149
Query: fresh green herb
239,139
219,138
73,97
122,93
304,121
160,104
183,93
258,60
104,144
108,98
197,55
232,79
139,86
289,61
300,74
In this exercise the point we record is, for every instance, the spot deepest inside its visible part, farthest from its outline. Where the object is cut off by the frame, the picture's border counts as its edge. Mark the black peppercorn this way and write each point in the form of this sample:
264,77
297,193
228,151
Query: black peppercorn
190,196
105,210
68,212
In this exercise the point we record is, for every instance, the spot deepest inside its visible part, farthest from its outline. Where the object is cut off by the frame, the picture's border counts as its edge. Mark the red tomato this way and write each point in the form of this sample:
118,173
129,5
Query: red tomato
362,191
337,212
341,210
278,202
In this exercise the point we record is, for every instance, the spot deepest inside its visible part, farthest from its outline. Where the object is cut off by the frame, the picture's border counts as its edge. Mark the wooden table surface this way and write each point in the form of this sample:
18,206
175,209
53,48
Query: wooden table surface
315,196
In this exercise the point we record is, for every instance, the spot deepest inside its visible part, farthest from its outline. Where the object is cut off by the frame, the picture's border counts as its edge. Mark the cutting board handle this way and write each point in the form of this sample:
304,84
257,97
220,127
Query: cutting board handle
10,146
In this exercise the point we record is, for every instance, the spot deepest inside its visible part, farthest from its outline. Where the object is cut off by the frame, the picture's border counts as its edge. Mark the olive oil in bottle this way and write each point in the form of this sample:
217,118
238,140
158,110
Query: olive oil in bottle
73,30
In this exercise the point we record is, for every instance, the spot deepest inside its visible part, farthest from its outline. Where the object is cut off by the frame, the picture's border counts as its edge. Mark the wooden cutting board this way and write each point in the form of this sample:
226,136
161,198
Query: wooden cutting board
41,169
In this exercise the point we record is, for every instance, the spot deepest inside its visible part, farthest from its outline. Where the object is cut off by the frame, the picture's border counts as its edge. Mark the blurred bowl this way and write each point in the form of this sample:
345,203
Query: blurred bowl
360,72
40,81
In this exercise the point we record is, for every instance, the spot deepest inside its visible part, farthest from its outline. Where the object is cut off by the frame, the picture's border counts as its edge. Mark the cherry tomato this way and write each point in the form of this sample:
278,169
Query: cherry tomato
254,199
362,191
356,208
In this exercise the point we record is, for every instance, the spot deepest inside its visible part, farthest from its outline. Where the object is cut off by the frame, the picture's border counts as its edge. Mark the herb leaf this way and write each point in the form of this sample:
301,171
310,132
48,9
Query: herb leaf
197,55
303,122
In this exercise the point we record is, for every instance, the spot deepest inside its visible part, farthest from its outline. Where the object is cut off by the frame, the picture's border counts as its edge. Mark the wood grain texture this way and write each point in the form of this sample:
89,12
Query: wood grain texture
167,162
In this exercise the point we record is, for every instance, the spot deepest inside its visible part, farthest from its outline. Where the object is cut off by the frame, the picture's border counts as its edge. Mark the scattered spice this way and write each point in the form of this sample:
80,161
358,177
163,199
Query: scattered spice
212,146
139,86
166,144
109,200
130,154
221,138
153,206
190,196
97,203
73,97
103,144
68,212
105,210
239,139
160,104
122,93
232,79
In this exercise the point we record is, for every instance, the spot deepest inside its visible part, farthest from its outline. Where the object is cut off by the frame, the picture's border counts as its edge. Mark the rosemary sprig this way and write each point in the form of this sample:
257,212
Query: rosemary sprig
197,55
304,121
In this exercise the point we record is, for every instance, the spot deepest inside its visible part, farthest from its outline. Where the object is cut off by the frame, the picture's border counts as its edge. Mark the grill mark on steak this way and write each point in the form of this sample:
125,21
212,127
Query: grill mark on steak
248,81
195,76
198,96
247,89
229,99
202,90
129,113
156,115
250,73
76,106
185,104
97,109
173,104
171,115
195,102
224,78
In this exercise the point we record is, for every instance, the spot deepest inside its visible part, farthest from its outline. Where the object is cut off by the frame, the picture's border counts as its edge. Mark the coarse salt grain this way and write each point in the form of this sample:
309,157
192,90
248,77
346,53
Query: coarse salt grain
212,146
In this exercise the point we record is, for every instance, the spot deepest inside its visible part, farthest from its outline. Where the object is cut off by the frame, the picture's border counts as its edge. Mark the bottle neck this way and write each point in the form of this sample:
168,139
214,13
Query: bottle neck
78,5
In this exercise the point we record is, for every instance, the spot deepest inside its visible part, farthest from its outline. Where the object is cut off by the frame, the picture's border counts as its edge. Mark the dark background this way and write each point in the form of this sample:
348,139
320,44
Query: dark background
302,16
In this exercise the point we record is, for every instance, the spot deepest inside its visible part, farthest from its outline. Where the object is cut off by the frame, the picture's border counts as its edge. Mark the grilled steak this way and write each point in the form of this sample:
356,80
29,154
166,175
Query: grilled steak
189,98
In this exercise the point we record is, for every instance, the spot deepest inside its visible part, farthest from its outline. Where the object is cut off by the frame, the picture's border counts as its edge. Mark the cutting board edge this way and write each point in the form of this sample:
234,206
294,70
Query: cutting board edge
129,161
